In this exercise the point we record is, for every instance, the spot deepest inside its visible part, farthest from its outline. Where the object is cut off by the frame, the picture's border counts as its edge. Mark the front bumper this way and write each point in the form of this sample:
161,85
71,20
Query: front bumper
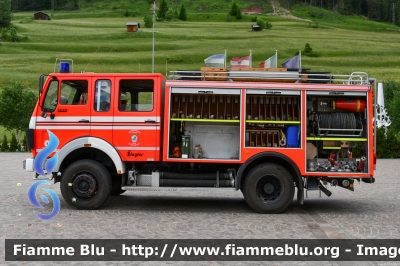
27,164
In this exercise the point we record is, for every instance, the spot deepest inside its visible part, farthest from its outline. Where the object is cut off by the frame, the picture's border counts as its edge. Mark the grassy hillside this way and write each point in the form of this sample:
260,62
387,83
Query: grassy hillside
139,6
99,37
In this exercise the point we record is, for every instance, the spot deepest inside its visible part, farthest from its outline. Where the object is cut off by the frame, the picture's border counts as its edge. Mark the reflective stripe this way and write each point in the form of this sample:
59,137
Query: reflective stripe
135,118
62,119
94,127
97,118
138,148
66,127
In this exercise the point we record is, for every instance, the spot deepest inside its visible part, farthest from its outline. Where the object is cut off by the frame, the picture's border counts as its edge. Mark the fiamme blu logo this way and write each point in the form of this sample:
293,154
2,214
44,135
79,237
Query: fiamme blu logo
38,166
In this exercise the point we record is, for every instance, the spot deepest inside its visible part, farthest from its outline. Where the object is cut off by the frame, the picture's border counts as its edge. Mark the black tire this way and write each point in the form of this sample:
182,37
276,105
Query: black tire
86,184
116,185
268,188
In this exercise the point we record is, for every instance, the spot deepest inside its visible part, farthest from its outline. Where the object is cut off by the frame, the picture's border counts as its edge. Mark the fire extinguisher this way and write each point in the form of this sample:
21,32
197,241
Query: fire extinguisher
352,105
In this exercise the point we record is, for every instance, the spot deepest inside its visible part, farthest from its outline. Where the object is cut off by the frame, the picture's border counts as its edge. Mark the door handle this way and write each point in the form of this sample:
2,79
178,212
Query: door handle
150,121
83,121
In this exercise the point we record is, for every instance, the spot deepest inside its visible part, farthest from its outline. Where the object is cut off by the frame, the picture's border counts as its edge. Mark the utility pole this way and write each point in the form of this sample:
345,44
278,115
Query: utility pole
152,57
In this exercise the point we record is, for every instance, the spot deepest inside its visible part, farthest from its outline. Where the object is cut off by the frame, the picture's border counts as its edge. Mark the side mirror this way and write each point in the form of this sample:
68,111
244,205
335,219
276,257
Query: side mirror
41,82
44,114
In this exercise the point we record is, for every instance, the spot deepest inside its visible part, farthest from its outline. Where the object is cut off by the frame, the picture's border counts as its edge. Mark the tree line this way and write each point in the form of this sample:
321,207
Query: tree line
378,10
36,5
16,106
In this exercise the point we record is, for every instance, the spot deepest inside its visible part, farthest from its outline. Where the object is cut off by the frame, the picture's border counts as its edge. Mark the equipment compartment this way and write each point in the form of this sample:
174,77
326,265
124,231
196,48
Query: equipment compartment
337,135
272,118
217,141
272,108
264,138
205,106
204,124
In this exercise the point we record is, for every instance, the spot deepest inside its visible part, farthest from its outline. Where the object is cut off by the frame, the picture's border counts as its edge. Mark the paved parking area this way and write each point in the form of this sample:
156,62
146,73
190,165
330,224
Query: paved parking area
370,212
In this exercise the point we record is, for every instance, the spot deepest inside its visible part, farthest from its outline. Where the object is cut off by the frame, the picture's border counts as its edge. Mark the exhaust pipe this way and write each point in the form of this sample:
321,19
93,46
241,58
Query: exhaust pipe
323,189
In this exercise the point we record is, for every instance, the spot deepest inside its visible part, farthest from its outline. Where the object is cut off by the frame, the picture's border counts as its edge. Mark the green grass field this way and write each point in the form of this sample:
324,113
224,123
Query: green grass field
99,43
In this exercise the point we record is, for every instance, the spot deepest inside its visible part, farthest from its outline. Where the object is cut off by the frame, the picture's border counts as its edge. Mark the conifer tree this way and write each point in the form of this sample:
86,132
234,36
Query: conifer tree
234,9
24,143
182,13
5,13
239,14
13,143
162,10
4,144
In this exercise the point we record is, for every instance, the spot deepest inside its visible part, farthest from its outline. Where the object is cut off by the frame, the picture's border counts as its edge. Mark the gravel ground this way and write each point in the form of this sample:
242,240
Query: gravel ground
370,212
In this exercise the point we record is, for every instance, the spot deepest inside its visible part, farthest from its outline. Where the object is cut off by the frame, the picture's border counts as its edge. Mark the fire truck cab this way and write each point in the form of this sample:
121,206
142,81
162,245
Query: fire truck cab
265,132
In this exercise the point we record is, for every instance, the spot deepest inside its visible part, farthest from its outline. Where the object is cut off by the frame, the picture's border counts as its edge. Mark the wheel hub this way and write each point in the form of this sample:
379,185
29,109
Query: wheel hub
84,185
269,189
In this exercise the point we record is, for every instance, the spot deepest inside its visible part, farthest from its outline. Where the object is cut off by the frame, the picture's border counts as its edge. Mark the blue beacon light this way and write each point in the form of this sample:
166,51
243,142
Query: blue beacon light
64,67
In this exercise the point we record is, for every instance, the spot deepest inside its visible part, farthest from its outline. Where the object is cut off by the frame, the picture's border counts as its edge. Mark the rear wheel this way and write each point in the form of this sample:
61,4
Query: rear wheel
86,184
268,188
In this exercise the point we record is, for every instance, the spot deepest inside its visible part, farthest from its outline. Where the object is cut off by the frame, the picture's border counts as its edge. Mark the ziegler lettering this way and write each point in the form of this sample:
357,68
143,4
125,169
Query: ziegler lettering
62,110
133,154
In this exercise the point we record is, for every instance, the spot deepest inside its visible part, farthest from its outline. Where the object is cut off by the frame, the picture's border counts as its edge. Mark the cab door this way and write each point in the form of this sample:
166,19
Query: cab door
136,126
101,108
64,111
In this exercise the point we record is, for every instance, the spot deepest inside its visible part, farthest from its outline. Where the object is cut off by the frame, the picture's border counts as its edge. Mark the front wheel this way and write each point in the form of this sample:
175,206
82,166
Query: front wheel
268,188
86,184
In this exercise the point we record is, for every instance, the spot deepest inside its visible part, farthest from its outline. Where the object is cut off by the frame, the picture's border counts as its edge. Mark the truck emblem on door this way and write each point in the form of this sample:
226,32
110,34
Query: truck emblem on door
134,137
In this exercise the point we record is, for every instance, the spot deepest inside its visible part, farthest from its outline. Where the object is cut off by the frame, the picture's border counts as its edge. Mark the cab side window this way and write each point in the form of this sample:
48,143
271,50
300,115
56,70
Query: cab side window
136,95
102,95
73,92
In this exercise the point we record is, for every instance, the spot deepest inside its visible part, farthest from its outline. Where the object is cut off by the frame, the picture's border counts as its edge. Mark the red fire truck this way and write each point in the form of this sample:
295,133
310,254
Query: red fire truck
265,132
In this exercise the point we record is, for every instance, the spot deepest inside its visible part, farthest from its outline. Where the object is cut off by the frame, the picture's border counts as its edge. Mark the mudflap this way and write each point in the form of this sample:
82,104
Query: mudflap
300,193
